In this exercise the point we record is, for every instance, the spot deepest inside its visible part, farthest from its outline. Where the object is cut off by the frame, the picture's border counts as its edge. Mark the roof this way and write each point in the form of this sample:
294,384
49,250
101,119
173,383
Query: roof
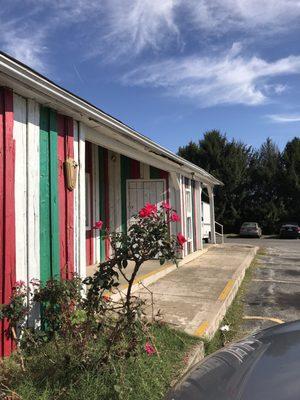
23,77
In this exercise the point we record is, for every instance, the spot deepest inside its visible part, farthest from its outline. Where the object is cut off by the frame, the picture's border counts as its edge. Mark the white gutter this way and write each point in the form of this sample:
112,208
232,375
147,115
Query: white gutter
34,80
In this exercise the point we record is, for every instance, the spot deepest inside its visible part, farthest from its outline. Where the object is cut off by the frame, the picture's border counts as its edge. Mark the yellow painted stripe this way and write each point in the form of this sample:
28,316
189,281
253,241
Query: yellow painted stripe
225,292
202,328
142,277
277,320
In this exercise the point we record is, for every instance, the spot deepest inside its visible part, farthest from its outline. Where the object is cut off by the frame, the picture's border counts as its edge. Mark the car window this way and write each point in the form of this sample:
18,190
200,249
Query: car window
249,224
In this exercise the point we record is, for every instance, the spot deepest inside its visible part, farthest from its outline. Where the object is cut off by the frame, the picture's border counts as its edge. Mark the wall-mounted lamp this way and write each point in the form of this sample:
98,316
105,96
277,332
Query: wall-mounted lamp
113,158
70,168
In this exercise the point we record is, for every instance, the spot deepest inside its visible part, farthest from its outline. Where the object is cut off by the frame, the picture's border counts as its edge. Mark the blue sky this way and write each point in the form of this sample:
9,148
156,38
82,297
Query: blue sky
171,69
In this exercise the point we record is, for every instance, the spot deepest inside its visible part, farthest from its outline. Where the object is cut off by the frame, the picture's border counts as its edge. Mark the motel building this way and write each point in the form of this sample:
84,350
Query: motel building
65,164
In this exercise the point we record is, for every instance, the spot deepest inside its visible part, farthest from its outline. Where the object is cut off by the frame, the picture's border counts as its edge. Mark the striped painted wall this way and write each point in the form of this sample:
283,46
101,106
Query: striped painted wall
45,229
44,241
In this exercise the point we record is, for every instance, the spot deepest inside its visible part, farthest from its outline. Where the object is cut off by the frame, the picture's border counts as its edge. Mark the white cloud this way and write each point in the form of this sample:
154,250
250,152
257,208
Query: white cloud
28,49
245,15
131,26
230,78
120,30
284,118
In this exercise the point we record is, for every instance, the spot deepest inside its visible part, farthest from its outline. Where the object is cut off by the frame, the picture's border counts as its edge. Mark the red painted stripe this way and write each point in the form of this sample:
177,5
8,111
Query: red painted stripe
66,198
7,211
106,201
89,233
135,172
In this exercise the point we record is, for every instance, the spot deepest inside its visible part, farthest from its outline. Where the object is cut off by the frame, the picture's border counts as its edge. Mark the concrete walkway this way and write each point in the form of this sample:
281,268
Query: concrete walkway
196,296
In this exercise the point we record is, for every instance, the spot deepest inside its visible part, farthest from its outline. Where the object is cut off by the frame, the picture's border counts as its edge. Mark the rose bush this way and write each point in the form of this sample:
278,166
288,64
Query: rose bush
67,314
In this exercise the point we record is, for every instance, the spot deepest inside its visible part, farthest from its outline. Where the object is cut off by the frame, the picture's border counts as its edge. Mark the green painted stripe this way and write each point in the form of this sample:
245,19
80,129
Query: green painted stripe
125,174
155,173
102,190
49,231
45,248
55,268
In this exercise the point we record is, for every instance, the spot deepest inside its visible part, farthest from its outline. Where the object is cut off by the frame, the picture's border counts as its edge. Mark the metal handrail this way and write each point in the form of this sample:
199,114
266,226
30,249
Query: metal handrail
221,234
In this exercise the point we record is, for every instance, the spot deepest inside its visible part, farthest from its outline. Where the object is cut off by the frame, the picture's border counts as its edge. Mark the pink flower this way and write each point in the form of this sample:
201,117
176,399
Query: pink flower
147,210
181,239
106,298
98,225
175,217
150,350
166,205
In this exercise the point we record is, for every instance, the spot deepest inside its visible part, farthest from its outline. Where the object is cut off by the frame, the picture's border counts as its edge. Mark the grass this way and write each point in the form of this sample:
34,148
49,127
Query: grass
58,375
234,315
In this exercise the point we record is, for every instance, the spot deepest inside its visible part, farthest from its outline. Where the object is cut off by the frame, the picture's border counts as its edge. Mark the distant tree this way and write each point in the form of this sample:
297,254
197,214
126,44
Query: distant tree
264,202
229,162
290,182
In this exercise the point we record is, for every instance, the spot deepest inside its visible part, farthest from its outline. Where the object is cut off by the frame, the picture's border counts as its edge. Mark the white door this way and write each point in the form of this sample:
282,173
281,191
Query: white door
140,192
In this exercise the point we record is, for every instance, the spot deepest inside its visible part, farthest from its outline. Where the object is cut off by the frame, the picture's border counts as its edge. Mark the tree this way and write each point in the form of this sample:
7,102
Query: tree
290,182
229,162
264,202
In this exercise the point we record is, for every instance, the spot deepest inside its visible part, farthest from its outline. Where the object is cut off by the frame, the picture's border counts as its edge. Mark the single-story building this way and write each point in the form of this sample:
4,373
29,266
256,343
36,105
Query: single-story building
65,164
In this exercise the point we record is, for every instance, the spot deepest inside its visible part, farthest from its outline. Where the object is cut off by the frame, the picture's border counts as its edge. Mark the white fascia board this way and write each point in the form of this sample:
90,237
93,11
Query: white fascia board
61,99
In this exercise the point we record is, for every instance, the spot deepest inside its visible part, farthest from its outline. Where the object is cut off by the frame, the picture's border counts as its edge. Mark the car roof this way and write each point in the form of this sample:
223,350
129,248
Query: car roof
262,366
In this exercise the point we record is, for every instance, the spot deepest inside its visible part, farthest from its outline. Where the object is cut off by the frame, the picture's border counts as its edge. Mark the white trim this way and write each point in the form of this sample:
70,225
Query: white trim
81,215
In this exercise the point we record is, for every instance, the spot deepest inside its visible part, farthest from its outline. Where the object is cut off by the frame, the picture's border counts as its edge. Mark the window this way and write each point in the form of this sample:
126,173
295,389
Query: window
87,201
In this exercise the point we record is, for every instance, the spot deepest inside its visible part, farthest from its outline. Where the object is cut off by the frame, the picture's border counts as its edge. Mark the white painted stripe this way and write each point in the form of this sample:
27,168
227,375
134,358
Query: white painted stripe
96,205
33,189
81,201
20,134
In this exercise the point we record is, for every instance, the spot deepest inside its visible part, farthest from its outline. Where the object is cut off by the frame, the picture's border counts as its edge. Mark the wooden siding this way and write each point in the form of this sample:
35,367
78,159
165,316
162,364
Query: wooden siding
7,210
49,227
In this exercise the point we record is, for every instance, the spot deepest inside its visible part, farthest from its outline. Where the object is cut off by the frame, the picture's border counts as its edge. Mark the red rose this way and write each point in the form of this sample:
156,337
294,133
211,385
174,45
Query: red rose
98,225
166,205
147,210
181,239
175,217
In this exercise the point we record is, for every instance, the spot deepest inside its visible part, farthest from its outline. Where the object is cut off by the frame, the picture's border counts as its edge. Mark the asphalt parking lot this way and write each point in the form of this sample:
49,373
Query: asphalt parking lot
273,295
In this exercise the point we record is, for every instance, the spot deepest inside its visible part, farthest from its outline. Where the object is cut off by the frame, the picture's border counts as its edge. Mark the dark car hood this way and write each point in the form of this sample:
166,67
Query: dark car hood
261,367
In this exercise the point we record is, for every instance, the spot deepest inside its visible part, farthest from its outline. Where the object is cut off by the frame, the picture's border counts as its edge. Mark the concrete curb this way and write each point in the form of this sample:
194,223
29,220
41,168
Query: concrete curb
154,276
209,327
